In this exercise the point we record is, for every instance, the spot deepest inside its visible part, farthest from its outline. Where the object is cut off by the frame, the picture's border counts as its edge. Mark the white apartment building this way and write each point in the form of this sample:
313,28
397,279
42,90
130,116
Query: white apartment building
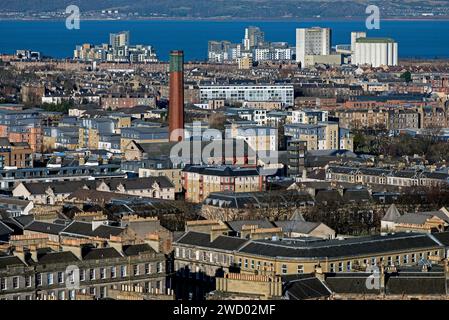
312,41
242,93
262,54
259,138
376,52
282,54
309,116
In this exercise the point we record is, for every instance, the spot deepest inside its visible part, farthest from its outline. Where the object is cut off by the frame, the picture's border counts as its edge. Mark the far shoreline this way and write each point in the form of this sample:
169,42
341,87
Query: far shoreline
236,19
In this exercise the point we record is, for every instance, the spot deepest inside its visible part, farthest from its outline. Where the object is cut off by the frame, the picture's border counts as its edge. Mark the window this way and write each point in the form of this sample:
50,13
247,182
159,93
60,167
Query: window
147,268
113,272
177,252
284,269
82,275
405,258
413,257
2,284
246,263
15,282
102,273
135,270
39,279
91,274
340,267
28,281
92,290
332,267
50,278
390,261
60,277
348,266
300,268
159,267
123,271
252,264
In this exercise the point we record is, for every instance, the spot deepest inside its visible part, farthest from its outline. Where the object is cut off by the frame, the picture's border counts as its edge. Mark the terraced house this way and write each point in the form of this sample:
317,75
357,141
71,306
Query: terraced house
401,178
79,268
57,192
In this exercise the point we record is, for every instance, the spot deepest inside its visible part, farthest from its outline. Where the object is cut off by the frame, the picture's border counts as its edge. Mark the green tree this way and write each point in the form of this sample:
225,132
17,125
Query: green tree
407,76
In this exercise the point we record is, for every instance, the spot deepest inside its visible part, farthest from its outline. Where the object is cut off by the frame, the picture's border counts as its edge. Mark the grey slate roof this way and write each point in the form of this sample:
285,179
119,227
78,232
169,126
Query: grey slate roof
101,253
10,261
303,248
392,214
136,249
306,287
203,240
4,229
297,226
84,229
238,224
413,218
57,257
45,227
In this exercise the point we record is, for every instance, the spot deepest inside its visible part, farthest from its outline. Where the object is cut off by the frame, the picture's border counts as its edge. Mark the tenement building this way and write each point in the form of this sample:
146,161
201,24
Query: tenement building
79,268
203,253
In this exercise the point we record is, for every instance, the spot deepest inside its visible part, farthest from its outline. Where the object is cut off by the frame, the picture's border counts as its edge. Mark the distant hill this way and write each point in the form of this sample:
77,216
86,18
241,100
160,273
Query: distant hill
236,8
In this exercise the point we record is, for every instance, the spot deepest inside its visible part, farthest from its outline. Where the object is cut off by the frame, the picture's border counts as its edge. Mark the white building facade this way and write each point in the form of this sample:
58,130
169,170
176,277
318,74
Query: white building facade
376,52
242,93
312,41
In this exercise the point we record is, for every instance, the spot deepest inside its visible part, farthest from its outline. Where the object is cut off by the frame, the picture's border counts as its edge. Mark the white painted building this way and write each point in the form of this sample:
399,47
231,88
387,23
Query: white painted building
312,41
376,52
242,93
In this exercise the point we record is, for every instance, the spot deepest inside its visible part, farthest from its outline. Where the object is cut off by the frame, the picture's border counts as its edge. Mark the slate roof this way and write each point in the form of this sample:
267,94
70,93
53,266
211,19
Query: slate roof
238,225
225,171
203,240
84,229
134,250
24,219
303,248
244,200
44,227
442,237
413,218
4,229
138,183
297,226
307,287
57,187
10,261
392,214
416,283
101,253
69,187
56,257
354,283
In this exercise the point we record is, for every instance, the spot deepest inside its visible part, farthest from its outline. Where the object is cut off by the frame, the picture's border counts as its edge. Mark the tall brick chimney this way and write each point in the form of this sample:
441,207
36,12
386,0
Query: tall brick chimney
176,107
